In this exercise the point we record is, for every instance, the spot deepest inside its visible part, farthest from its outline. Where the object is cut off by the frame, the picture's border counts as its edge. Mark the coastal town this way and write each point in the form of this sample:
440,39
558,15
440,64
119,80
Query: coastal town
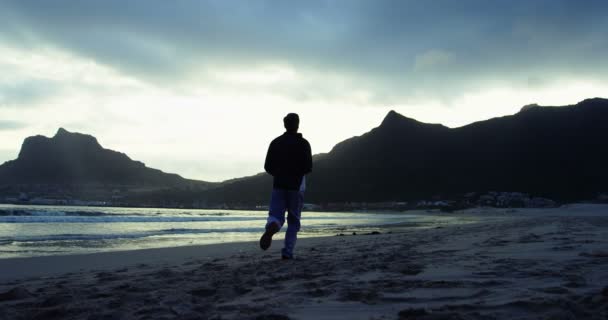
469,200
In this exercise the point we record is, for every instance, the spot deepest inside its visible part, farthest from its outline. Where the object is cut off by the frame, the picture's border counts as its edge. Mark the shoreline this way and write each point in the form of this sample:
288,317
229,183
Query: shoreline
54,265
529,264
51,235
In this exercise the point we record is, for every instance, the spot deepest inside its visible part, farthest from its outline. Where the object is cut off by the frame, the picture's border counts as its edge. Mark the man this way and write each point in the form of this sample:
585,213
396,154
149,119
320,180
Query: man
288,160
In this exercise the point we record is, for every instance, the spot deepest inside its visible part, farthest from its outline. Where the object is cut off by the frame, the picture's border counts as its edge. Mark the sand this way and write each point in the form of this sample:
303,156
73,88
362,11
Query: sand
513,264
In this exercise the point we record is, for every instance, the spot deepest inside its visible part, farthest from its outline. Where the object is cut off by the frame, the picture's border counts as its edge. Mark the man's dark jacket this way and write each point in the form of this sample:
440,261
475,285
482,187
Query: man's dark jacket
288,159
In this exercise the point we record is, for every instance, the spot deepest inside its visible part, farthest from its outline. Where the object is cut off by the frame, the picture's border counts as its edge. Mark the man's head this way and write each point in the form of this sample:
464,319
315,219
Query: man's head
291,122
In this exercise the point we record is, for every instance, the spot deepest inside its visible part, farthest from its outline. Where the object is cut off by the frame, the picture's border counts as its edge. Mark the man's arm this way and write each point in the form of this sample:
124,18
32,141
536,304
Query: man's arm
307,158
269,163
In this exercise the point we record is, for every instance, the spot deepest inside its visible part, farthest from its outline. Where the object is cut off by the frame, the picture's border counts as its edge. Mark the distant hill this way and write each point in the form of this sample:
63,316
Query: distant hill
559,152
78,159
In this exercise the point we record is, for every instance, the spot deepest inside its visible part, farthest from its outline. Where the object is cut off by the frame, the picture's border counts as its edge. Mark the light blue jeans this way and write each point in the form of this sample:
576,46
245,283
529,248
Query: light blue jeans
292,202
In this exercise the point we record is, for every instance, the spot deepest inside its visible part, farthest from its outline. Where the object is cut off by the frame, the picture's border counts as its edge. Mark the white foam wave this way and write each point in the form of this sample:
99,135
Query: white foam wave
113,236
117,218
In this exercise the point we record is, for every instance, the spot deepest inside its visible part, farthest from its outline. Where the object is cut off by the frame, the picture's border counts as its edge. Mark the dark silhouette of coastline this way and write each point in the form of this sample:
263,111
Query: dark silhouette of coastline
555,152
72,165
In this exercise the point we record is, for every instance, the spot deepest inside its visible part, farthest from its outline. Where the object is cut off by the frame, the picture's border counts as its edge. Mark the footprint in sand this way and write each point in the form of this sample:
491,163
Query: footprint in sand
272,317
203,292
359,295
554,290
595,254
530,238
17,293
58,300
318,293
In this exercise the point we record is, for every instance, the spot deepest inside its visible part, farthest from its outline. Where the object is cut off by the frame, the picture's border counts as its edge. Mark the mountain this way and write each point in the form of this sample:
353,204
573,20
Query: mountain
559,152
78,159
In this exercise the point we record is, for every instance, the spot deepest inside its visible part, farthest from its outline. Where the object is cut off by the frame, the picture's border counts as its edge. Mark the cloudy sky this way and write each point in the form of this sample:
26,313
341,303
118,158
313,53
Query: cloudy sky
200,87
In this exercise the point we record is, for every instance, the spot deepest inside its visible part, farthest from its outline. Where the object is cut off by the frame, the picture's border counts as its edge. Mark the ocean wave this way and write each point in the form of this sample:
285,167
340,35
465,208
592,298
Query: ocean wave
88,213
119,218
21,212
114,236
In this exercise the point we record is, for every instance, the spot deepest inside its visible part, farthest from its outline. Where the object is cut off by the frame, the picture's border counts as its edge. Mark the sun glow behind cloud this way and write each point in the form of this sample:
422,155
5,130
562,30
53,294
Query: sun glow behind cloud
202,91
216,132
200,132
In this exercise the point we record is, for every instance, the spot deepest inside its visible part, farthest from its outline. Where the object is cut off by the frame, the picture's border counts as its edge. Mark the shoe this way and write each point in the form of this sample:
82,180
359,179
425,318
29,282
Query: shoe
284,257
266,238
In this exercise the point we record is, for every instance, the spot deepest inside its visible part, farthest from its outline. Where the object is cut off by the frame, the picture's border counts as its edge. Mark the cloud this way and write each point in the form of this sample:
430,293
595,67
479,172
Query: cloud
27,93
162,80
11,125
432,59
388,49
31,79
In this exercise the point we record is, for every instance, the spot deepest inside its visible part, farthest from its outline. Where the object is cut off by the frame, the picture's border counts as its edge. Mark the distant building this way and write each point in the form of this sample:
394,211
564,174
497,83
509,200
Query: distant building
514,200
311,207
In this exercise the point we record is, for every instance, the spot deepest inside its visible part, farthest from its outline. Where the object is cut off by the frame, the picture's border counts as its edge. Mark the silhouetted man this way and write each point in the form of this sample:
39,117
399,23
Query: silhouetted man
288,160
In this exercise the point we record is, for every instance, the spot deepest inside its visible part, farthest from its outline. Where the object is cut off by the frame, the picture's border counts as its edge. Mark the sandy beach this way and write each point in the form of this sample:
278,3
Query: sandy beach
513,264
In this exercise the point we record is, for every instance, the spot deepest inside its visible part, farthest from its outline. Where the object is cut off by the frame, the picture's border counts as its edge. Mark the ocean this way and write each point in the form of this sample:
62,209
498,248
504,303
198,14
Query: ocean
27,231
